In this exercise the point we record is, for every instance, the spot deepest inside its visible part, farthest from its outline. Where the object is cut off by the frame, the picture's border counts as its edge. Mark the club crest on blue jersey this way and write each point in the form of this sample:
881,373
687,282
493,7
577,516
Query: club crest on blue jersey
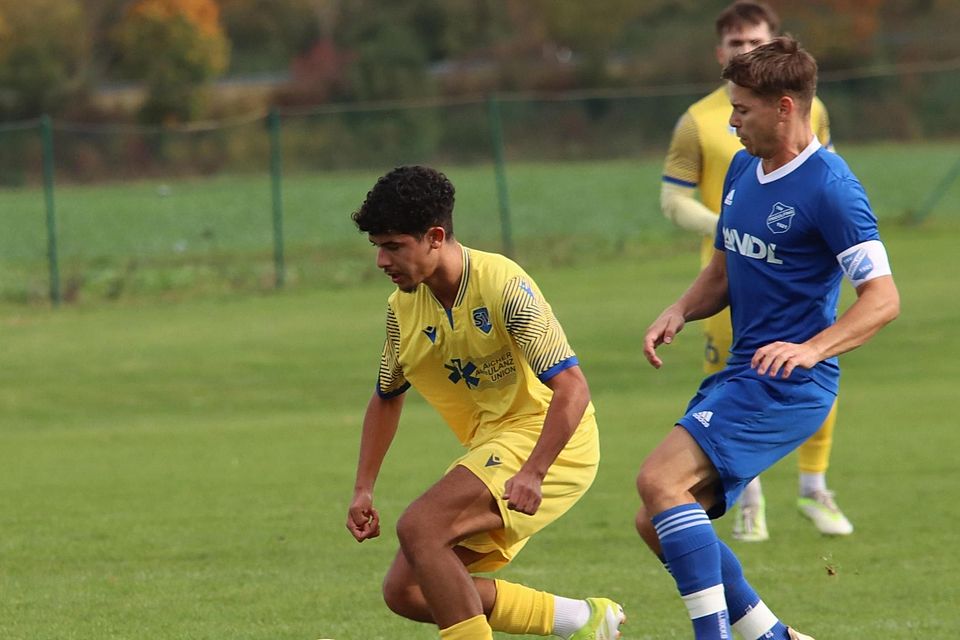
431,332
780,218
481,319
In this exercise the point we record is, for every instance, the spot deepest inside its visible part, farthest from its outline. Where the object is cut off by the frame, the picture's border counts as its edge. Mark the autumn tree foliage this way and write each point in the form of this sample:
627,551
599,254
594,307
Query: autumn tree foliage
175,47
42,49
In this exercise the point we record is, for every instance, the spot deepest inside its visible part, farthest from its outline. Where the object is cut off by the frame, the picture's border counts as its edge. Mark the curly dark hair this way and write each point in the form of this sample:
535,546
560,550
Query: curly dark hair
408,200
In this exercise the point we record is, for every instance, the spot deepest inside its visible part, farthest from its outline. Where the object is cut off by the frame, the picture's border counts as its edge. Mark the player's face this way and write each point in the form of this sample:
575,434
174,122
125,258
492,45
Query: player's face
756,120
407,260
742,39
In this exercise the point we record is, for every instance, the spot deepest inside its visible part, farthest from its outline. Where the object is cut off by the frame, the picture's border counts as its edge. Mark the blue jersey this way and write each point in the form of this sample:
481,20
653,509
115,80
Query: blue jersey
789,237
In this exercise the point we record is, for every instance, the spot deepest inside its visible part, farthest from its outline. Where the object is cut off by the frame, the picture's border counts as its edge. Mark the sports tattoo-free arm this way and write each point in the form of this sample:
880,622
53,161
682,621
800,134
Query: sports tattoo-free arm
707,296
380,424
529,320
877,303
571,395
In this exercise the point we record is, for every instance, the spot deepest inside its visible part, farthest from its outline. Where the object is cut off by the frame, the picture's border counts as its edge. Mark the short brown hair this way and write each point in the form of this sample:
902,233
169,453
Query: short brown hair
744,12
779,67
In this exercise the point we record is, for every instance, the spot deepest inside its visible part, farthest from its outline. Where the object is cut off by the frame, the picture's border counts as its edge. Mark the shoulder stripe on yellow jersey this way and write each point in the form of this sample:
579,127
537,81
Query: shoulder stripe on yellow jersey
530,321
683,183
390,379
684,162
465,278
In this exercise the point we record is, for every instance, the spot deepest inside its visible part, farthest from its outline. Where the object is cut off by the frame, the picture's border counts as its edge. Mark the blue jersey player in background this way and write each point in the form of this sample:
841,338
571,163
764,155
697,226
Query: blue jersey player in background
793,223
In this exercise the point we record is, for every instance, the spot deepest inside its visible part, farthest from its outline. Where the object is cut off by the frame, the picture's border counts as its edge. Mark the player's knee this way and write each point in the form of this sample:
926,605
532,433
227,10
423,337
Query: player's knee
413,532
398,595
657,490
408,531
649,485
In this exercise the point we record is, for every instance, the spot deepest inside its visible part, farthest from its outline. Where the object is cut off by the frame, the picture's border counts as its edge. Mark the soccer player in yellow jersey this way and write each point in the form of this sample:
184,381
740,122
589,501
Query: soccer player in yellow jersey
700,152
472,332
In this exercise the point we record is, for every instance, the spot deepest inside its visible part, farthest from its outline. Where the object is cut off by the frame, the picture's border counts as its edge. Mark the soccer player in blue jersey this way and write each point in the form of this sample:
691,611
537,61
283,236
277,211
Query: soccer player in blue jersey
794,221
701,149
472,332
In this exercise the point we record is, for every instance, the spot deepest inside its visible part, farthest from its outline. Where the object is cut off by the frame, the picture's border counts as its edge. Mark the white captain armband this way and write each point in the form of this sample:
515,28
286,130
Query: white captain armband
864,261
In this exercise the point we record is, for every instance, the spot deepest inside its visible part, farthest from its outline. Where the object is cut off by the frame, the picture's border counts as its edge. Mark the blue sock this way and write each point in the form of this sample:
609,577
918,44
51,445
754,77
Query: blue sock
750,616
690,549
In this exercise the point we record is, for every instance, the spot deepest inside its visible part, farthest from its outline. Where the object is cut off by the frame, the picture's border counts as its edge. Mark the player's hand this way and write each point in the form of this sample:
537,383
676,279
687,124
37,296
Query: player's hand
783,357
663,330
363,521
523,492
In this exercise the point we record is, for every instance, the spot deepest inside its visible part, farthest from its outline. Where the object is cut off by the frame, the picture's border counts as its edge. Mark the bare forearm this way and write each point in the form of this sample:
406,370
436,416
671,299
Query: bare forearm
379,427
563,417
877,305
707,295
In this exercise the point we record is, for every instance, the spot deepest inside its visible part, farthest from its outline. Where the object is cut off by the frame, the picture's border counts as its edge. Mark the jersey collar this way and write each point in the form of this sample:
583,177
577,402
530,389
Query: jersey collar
464,279
790,167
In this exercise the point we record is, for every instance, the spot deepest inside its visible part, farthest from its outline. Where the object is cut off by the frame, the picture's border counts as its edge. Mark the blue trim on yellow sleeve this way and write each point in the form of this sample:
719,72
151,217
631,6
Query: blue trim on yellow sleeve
572,361
392,394
682,183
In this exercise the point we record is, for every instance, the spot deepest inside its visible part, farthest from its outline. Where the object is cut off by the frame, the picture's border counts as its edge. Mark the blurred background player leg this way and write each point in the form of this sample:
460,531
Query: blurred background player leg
816,501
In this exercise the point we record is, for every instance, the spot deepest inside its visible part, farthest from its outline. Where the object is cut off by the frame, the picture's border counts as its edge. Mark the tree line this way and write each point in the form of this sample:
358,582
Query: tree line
54,54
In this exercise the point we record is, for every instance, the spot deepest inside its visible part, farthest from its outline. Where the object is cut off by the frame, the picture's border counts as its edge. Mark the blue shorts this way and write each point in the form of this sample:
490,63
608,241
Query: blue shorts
745,423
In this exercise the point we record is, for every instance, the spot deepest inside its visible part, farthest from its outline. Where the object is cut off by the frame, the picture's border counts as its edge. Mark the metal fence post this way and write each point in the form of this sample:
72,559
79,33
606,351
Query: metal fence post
46,137
496,139
276,178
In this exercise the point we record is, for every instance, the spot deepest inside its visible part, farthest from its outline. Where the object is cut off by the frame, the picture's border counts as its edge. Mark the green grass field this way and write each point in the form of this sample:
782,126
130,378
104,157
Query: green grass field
182,470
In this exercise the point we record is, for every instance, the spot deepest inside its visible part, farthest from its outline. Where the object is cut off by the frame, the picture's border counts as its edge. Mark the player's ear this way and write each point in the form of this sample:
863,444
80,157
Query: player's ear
785,106
436,236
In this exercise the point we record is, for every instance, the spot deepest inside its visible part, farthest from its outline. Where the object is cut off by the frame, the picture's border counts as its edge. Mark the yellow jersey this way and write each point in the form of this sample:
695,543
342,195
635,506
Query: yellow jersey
481,364
704,143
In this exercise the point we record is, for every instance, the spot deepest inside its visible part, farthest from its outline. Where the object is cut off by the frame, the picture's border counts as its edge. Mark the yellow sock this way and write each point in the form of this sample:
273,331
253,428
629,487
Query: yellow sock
475,628
814,454
519,609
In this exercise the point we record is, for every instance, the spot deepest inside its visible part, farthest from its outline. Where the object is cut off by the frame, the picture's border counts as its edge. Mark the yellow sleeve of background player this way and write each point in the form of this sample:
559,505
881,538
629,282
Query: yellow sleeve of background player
821,124
684,162
681,175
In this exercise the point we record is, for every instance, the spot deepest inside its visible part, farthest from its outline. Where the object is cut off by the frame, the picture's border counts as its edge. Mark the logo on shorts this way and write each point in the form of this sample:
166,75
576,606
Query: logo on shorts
780,218
493,460
703,417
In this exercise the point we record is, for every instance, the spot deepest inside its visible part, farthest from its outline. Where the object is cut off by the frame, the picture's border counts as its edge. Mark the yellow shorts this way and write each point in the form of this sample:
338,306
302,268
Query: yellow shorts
499,459
718,335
